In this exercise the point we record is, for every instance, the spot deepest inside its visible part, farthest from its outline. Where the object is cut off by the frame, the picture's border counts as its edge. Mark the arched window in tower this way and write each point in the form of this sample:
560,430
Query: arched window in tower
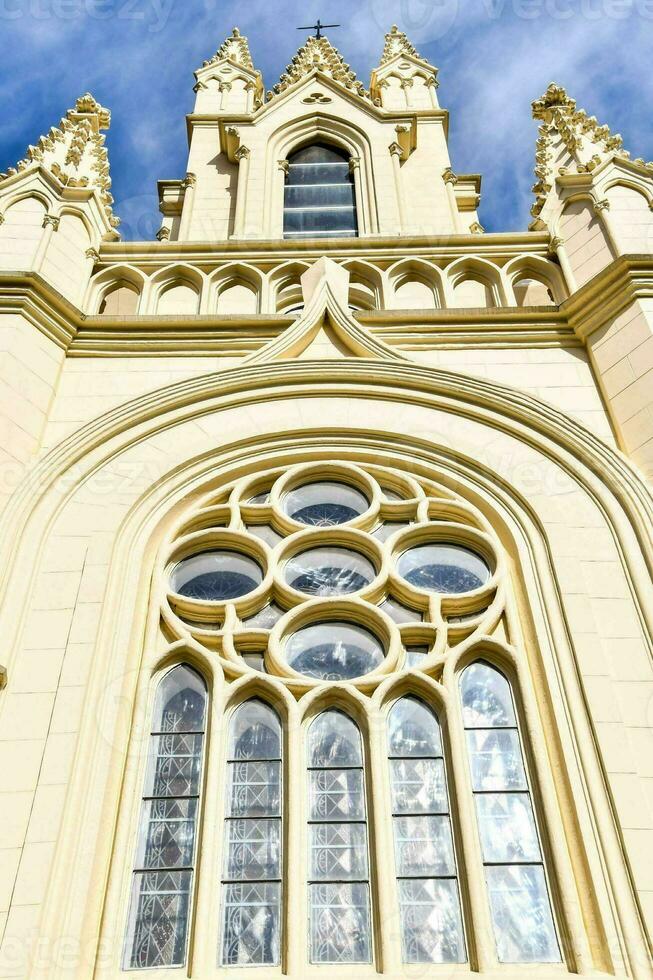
339,891
252,866
512,853
319,199
431,923
162,883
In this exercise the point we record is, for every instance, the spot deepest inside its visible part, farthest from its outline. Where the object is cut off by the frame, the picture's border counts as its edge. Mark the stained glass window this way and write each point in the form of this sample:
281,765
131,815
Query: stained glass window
216,575
325,504
162,882
339,890
319,197
514,867
328,571
334,651
431,922
445,568
252,867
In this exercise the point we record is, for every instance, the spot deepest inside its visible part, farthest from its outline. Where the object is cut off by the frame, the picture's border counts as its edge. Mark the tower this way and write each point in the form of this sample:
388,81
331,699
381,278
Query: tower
325,521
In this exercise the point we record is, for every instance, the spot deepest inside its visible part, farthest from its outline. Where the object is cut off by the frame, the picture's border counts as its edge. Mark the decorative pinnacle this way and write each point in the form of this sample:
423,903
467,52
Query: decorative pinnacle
555,97
88,106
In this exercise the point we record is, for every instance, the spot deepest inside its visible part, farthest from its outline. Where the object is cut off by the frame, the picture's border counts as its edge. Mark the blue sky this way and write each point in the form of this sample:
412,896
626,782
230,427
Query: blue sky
137,57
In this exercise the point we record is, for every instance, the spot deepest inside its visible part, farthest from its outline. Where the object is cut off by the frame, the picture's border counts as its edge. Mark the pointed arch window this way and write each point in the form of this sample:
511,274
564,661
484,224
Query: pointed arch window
162,881
252,867
319,196
431,921
339,888
512,854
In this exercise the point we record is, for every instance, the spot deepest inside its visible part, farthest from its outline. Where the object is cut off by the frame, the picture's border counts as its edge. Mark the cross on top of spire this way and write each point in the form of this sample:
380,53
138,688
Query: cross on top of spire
318,28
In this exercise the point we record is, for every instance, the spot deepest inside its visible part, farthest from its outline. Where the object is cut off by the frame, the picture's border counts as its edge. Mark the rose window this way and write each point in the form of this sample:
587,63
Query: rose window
331,572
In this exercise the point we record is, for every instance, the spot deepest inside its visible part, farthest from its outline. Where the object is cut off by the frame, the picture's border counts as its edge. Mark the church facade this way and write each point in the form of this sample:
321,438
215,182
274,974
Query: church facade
326,524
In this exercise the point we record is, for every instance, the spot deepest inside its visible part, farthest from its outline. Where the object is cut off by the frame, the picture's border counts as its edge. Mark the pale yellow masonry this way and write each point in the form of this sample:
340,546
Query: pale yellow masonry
327,536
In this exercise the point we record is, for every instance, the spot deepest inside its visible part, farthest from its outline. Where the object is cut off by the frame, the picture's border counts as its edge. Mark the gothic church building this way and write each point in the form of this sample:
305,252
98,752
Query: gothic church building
326,532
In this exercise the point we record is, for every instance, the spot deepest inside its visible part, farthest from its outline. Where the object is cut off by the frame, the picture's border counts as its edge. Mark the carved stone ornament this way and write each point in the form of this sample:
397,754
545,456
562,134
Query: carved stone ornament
74,152
317,98
319,53
235,48
163,234
587,143
449,176
51,219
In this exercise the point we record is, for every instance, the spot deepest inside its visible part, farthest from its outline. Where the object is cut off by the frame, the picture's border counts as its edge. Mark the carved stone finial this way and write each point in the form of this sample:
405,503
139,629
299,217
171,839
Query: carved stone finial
584,143
242,153
319,53
236,49
449,176
163,234
189,181
397,43
396,150
554,97
73,153
87,105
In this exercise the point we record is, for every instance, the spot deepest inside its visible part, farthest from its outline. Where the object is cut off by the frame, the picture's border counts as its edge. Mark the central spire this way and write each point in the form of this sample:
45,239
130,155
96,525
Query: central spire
318,52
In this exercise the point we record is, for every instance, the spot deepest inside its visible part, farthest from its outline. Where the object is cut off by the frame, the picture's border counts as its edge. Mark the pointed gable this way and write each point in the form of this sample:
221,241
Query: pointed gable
235,49
568,141
318,54
74,153
402,68
397,44
229,82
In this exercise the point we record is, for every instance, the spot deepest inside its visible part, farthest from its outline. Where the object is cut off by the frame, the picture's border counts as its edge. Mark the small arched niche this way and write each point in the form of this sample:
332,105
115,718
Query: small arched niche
365,287
414,294
533,292
120,299
178,297
472,292
238,296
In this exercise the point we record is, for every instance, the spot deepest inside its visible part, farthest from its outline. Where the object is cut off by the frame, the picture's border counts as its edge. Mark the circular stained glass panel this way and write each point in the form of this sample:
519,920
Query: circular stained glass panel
325,504
445,568
329,571
216,576
334,651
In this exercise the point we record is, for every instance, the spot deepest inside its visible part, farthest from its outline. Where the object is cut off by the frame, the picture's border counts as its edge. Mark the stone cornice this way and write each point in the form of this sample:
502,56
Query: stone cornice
609,293
543,326
228,335
29,295
502,245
